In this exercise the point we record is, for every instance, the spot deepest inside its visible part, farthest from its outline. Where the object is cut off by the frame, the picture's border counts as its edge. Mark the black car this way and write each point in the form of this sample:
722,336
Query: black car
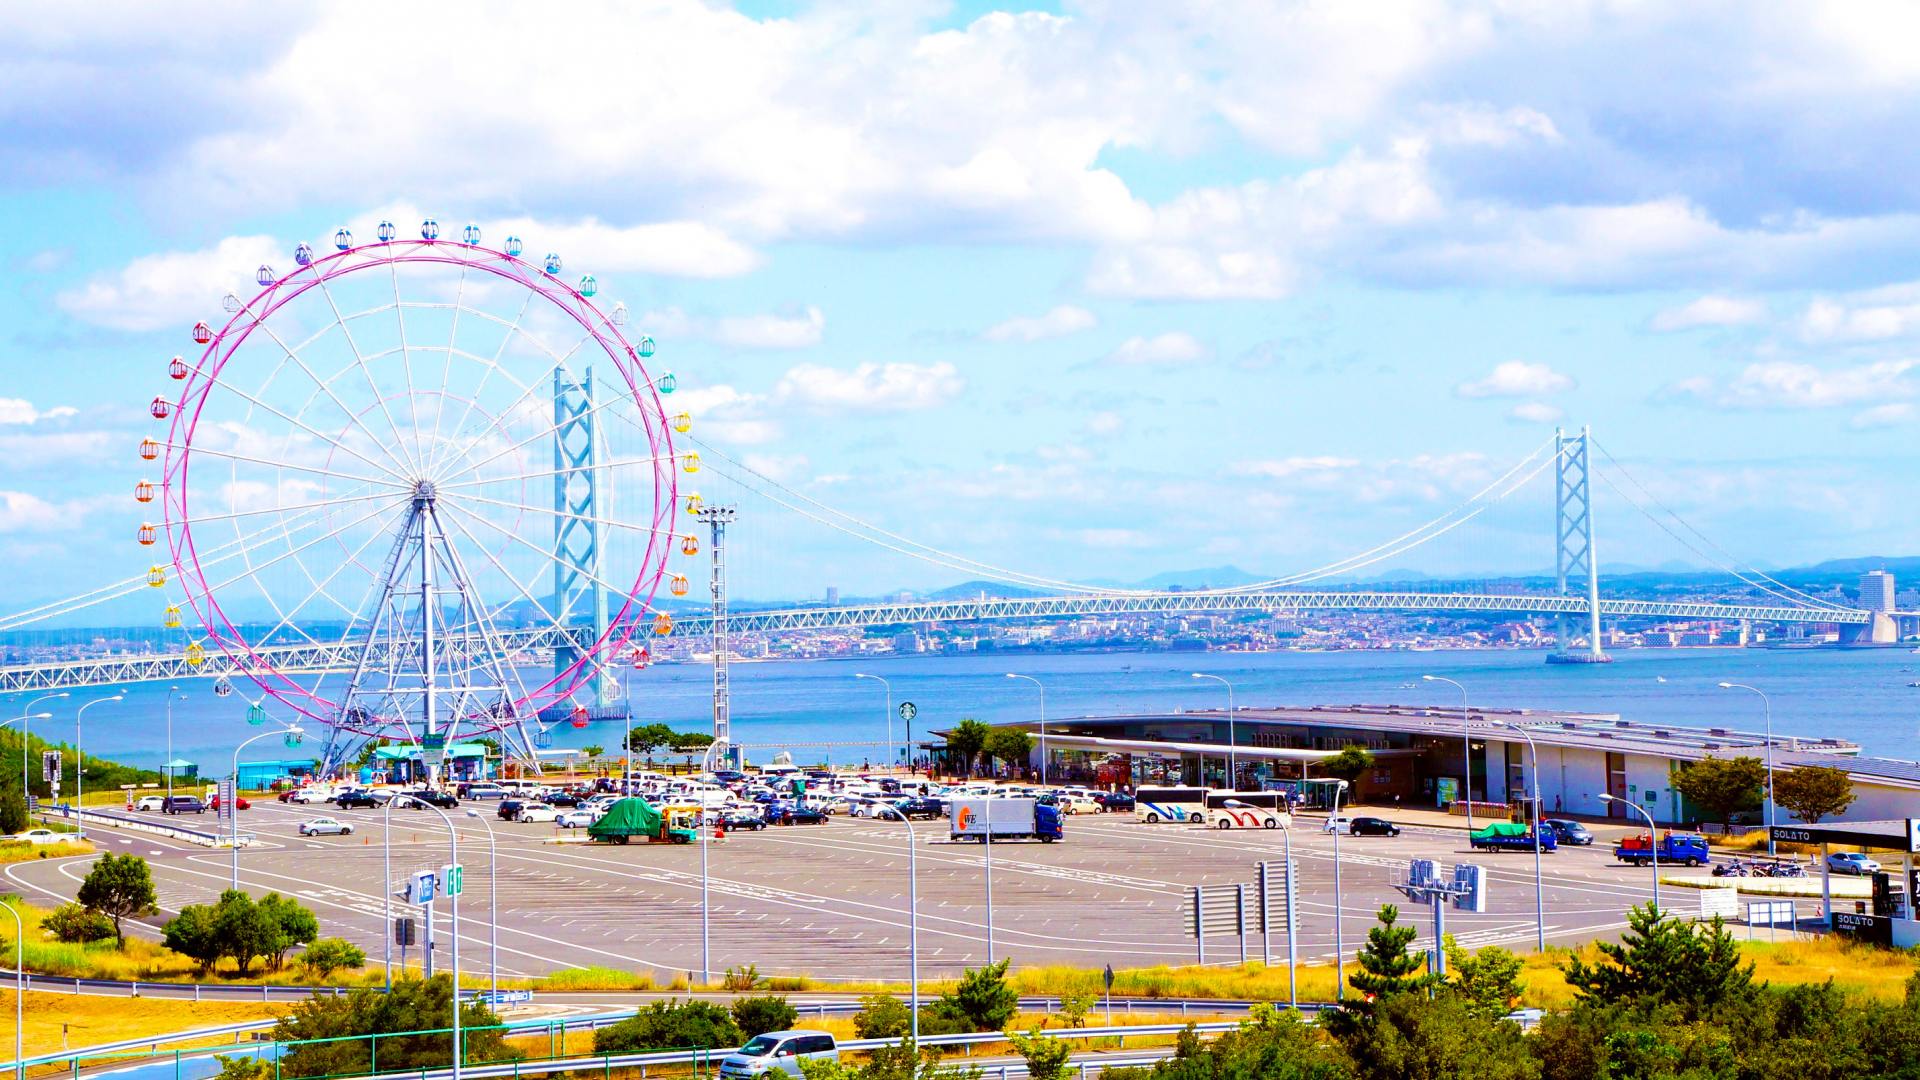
431,797
347,800
183,804
924,806
789,814
742,819
1373,826
559,799
509,809
1567,831
728,776
1114,802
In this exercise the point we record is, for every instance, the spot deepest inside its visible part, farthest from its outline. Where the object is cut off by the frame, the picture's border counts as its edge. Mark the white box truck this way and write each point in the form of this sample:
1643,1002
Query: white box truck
1009,819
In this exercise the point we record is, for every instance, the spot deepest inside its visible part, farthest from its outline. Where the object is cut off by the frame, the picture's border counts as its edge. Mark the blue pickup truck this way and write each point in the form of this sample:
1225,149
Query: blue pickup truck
1511,836
1688,849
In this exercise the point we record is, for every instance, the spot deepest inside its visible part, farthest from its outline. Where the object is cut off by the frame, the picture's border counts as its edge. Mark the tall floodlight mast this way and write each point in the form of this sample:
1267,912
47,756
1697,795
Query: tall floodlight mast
717,519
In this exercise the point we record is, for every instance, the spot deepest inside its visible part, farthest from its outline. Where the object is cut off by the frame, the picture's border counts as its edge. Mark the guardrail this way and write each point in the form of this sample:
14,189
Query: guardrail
66,812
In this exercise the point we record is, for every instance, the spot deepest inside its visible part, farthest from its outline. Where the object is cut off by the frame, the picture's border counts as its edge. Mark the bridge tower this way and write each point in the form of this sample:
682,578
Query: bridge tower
717,519
578,597
1575,564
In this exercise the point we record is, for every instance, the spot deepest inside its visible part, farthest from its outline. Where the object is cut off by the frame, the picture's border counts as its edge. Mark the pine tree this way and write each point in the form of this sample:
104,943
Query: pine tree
1387,968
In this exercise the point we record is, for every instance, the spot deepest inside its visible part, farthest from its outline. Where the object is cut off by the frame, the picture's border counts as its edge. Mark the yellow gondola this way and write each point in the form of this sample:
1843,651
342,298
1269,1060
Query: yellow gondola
156,576
690,462
196,655
683,422
171,617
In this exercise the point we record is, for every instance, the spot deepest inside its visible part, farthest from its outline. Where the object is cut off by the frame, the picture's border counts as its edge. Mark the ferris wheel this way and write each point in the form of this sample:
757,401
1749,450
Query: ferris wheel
417,489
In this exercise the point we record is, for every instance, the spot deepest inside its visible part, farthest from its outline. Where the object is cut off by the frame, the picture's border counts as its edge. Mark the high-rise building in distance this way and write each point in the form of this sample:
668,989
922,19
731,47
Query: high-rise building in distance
1876,590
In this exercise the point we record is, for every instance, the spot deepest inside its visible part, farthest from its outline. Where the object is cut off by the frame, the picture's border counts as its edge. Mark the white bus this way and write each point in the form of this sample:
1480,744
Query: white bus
1251,810
1156,804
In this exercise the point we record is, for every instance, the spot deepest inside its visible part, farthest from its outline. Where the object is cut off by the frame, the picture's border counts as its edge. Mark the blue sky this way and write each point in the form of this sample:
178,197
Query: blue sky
1094,290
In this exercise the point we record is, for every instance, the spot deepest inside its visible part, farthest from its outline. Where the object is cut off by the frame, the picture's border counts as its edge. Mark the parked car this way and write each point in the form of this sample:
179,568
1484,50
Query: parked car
238,800
348,800
743,819
508,810
1114,802
1851,862
800,815
482,791
1072,803
185,804
325,826
1372,826
154,802
309,795
578,818
1570,832
924,806
433,797
40,836
564,799
778,1052
536,812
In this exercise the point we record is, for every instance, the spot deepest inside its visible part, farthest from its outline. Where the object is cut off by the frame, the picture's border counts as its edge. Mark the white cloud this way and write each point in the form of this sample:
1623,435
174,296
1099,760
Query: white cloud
891,387
20,411
1879,416
1786,384
1106,423
1174,347
723,414
1536,412
22,512
173,289
1875,315
1058,322
1423,477
1294,466
1516,378
1113,538
785,468
741,331
677,248
1710,311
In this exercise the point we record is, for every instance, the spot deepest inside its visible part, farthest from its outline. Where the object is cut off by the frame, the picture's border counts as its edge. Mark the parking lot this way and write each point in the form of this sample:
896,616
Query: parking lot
831,900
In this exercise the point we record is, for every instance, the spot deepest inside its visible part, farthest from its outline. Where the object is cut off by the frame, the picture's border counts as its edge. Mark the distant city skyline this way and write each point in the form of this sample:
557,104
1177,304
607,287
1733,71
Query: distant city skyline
1088,291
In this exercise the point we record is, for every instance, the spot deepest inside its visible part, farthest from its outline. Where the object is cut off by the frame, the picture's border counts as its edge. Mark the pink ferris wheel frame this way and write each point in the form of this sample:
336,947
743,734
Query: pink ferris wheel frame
203,379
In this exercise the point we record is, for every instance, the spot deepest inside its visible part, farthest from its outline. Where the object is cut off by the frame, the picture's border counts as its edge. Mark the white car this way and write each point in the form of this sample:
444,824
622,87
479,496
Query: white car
154,803
1075,804
40,836
533,812
1341,824
577,819
310,795
325,826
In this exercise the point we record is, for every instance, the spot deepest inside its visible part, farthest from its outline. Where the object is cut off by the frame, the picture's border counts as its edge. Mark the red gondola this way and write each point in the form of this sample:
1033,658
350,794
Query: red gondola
202,333
161,408
149,449
177,368
143,491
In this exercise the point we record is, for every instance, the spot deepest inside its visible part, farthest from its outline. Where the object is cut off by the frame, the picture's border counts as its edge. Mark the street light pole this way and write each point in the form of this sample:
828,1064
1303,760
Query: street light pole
19,991
913,918
1766,705
23,734
1653,834
80,766
493,918
706,910
1539,891
889,687
1233,772
1043,721
233,812
1339,942
1466,739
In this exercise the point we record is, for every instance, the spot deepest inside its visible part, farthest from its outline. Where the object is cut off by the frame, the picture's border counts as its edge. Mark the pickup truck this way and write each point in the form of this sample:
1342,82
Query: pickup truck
1511,836
1689,849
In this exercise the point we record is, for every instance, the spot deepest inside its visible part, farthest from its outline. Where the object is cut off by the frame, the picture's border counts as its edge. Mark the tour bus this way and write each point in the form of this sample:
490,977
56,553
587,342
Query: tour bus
1156,804
1251,810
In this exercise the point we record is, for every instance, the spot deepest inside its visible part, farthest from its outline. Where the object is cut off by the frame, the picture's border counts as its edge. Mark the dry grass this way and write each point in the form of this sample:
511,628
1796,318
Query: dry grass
13,851
56,1022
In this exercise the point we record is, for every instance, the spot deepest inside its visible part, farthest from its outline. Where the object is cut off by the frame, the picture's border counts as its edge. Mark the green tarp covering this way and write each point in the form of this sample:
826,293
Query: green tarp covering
628,817
1502,828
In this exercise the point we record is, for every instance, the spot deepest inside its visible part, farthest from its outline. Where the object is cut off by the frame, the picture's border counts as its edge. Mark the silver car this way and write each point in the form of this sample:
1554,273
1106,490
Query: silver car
778,1052
1851,862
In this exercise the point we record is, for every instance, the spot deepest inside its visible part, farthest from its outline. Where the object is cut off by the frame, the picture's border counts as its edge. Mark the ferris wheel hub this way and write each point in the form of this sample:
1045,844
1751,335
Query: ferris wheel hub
423,493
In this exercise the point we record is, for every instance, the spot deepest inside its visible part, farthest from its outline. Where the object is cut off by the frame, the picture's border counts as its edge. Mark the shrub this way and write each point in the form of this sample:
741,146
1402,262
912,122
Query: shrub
669,1025
74,924
882,1016
767,1012
740,980
119,887
413,1005
328,955
1046,1058
982,1002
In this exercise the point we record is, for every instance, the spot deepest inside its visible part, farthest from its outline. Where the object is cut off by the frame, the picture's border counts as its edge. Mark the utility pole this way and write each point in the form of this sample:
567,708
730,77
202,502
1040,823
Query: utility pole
717,518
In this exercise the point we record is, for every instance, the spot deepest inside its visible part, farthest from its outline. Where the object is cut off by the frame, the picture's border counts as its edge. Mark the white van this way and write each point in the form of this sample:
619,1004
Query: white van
778,1052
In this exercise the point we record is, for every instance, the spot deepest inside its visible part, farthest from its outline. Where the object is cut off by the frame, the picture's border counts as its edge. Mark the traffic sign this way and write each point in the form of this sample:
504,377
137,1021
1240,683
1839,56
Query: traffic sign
908,710
453,879
50,766
420,888
403,933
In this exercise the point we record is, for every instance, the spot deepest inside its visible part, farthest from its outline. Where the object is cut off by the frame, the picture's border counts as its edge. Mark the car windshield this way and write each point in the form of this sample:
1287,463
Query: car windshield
759,1046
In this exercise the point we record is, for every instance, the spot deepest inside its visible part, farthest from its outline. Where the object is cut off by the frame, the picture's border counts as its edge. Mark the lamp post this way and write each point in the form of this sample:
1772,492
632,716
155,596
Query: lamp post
233,812
1653,833
1539,891
1339,942
80,766
706,910
1043,721
1286,831
1766,706
171,691
1233,772
453,857
23,733
1466,739
889,687
19,991
493,917
986,841
913,918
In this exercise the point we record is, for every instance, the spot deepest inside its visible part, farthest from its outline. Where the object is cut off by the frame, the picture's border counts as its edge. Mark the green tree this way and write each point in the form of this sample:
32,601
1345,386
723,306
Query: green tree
119,887
246,931
195,934
1412,1037
1011,745
669,1025
593,752
235,1067
1271,1044
1721,786
13,809
328,955
902,1061
882,1016
967,740
76,925
1488,980
1046,1057
297,925
414,1005
764,1013
1349,764
1812,792
1386,969
981,1002
1662,960
648,738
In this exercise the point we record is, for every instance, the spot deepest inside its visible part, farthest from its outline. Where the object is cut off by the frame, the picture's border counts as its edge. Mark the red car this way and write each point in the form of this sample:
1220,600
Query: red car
240,801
